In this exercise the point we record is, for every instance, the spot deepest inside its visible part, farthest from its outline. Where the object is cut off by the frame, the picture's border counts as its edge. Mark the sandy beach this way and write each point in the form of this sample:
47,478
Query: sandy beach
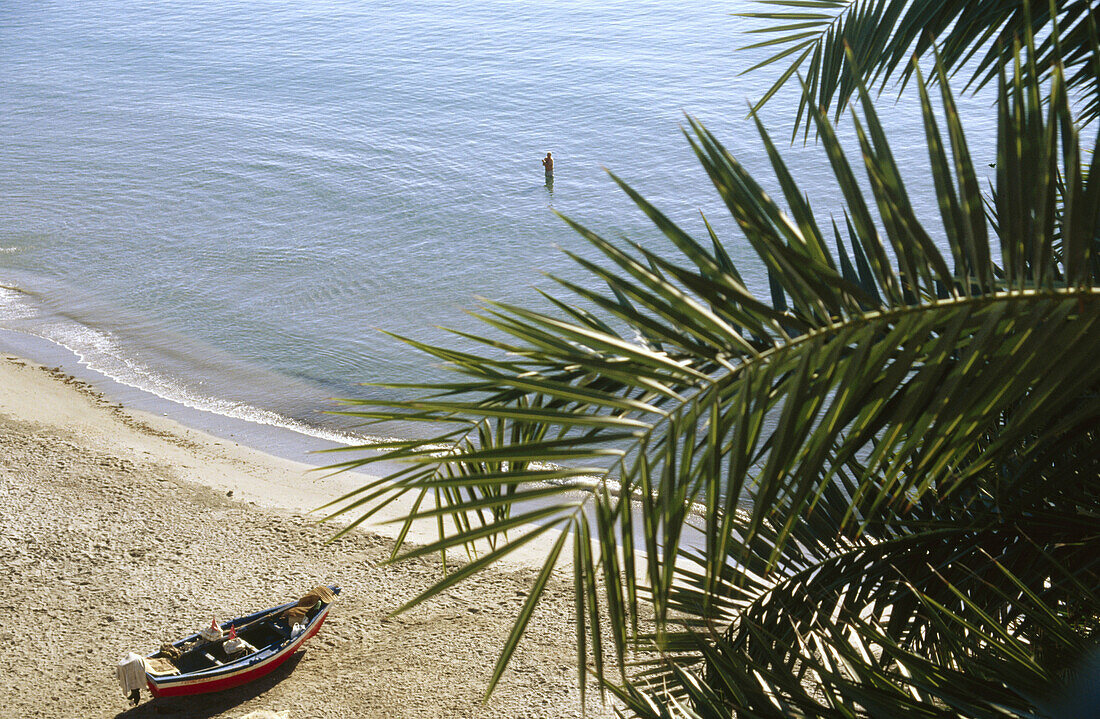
120,530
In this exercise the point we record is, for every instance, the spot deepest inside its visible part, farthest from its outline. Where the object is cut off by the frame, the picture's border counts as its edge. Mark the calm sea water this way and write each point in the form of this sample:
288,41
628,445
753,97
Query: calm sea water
223,202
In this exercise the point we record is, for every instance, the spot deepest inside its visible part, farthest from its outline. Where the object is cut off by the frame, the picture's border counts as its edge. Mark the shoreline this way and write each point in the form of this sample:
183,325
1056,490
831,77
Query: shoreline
290,480
124,528
281,438
296,459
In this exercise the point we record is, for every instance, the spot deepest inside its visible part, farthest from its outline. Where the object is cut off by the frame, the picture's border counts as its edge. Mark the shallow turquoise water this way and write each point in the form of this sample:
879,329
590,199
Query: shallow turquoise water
222,202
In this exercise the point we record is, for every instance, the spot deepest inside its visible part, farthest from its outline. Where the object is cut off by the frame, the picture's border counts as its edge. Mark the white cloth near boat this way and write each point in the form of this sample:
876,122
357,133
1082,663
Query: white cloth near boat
131,673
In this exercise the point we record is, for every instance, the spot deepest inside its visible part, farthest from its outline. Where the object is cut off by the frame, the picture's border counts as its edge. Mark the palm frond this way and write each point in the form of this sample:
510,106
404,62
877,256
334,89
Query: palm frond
836,44
882,493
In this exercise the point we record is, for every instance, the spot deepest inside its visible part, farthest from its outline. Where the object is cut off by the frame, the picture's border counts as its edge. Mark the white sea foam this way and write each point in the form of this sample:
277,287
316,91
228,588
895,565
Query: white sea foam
13,305
102,352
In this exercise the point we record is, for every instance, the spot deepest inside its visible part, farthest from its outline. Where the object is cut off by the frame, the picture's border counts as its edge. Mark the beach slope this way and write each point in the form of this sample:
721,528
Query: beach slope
120,531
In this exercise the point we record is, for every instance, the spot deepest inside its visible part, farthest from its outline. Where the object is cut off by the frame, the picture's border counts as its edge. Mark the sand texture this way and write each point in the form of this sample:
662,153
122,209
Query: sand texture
117,534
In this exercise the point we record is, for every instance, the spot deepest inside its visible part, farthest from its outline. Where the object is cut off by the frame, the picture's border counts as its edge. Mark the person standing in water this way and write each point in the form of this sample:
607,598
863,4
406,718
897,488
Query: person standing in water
548,166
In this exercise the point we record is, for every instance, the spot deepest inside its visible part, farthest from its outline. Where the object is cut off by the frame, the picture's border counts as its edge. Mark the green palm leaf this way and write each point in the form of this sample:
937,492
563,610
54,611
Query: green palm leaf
836,44
881,496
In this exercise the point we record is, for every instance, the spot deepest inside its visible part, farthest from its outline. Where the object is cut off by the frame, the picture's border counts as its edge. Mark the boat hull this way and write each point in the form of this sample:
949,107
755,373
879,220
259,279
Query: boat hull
235,674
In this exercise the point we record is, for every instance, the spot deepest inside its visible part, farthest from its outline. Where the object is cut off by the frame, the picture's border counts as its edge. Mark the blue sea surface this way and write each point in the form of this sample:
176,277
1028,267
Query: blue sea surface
222,203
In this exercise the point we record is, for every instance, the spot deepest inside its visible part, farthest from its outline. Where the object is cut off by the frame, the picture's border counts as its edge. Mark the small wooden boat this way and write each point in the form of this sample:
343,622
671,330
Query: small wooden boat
230,654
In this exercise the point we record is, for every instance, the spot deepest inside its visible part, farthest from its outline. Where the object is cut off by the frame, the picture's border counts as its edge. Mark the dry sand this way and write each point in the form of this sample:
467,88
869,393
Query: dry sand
118,532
